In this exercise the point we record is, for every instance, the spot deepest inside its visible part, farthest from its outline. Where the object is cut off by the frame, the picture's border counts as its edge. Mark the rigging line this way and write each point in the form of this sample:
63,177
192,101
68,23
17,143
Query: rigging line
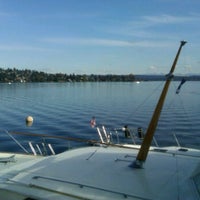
193,93
181,104
171,102
184,111
20,145
144,101
177,177
172,121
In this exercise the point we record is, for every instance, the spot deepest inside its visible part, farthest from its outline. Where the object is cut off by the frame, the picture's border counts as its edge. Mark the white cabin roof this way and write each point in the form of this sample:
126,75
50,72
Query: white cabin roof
103,173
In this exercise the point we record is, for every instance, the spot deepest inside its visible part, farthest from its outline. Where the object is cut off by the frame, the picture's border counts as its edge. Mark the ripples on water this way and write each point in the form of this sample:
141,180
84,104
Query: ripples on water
66,109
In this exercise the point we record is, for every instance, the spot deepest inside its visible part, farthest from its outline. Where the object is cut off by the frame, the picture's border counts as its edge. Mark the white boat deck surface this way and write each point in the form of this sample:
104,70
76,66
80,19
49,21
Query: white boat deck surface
101,173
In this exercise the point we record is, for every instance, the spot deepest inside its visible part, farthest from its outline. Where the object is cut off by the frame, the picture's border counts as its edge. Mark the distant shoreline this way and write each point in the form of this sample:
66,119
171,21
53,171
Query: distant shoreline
16,76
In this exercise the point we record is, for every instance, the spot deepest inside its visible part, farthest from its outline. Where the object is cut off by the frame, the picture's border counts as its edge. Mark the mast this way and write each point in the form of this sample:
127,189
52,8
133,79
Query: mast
144,149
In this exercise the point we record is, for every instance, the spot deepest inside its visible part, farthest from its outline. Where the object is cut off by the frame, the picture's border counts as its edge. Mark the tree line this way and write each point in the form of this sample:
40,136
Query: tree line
26,75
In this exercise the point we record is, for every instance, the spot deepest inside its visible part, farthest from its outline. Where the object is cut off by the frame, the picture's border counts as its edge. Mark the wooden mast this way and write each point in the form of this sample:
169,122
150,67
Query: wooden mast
143,152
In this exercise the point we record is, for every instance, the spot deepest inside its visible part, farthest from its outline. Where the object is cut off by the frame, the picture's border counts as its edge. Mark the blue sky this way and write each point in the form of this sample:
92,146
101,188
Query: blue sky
99,36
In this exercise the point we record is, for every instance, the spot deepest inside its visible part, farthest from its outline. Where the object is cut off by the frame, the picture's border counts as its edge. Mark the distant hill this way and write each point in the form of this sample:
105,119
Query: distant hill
163,77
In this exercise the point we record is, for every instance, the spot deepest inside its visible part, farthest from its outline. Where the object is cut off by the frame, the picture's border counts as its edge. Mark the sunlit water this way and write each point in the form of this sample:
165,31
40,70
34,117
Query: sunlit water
65,109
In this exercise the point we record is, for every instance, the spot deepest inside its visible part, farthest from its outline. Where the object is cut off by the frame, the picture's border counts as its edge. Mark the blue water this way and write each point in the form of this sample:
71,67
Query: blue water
65,109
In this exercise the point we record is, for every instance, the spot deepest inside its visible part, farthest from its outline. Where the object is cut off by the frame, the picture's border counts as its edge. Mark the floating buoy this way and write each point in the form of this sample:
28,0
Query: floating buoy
29,121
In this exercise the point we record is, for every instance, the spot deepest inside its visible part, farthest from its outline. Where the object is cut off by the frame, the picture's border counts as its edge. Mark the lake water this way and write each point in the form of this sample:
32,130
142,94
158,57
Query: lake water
65,109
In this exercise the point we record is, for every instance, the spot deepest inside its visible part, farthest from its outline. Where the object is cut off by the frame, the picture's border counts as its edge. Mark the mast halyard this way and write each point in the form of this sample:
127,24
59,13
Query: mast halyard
144,149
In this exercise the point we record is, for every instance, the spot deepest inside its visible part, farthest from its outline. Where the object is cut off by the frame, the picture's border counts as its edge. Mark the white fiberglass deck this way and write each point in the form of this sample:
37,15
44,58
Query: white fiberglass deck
101,173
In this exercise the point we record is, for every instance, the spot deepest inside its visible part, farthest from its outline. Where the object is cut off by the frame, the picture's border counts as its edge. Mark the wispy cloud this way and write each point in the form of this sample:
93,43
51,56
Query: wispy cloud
5,14
145,27
22,48
69,15
88,42
169,19
104,42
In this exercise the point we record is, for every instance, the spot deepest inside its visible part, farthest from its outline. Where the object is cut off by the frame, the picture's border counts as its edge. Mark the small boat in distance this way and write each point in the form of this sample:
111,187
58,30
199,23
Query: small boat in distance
105,170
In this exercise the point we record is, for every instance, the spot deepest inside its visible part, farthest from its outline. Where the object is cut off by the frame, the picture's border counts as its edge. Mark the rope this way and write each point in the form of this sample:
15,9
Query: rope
53,136
70,139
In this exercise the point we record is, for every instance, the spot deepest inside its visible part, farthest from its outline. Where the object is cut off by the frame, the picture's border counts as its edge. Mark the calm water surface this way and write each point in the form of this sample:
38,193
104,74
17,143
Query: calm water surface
66,109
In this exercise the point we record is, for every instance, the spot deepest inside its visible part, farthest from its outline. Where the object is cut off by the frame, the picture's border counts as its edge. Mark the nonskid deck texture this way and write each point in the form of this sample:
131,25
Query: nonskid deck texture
102,173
